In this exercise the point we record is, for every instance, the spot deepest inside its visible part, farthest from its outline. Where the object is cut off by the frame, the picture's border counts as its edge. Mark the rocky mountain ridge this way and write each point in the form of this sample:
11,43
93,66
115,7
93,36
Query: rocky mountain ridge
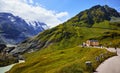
15,29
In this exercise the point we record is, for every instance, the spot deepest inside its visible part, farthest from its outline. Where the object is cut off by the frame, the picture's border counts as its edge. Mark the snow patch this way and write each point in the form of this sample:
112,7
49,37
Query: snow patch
11,18
37,24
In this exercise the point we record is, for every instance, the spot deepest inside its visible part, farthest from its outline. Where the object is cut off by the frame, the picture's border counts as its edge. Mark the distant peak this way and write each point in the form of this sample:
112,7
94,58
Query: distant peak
96,6
99,6
95,14
106,6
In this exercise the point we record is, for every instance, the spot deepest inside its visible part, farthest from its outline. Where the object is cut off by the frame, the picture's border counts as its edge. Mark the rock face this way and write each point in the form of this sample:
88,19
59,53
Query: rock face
27,47
2,47
14,29
5,57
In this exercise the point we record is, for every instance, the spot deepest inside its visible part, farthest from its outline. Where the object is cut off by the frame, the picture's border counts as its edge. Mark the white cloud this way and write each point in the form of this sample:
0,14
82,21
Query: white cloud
31,1
30,12
63,16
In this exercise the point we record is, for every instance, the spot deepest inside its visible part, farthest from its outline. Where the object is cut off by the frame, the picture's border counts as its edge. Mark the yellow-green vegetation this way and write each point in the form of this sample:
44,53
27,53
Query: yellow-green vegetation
65,34
59,51
93,23
85,25
70,60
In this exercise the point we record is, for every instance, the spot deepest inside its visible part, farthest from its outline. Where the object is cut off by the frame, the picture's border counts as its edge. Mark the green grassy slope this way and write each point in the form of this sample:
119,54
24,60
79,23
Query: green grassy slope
79,29
71,60
61,55
59,46
63,36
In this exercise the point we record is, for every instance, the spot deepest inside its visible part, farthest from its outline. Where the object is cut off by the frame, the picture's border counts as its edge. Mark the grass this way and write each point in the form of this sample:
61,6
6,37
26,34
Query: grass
66,34
71,60
60,52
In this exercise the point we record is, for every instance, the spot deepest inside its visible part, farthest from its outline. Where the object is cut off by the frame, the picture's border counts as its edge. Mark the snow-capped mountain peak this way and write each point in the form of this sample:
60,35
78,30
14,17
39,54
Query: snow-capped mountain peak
37,24
17,29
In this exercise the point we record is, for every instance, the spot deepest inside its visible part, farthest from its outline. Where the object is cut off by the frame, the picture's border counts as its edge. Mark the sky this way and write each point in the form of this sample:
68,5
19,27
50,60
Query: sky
73,7
51,12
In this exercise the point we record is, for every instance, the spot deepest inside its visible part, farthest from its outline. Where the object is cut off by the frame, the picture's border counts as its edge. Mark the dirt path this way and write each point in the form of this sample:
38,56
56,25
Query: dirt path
111,65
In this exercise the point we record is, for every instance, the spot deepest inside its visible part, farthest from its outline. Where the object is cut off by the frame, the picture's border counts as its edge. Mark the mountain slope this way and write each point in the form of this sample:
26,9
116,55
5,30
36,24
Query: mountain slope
14,29
77,32
51,60
58,48
93,15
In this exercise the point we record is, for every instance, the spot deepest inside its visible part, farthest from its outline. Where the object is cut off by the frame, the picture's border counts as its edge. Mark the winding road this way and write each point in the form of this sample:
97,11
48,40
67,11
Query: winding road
111,65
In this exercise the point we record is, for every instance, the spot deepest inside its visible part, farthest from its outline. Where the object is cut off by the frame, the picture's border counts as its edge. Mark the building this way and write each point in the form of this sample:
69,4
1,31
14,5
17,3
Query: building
92,43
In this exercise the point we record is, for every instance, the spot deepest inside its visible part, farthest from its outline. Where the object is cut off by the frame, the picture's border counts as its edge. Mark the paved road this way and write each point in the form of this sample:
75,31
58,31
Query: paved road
111,65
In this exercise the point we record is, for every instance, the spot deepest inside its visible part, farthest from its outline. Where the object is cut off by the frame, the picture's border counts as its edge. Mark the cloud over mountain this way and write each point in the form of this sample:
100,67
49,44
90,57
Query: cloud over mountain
31,11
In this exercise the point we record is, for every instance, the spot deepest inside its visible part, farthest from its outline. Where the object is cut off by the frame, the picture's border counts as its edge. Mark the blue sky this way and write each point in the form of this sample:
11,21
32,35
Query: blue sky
73,7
